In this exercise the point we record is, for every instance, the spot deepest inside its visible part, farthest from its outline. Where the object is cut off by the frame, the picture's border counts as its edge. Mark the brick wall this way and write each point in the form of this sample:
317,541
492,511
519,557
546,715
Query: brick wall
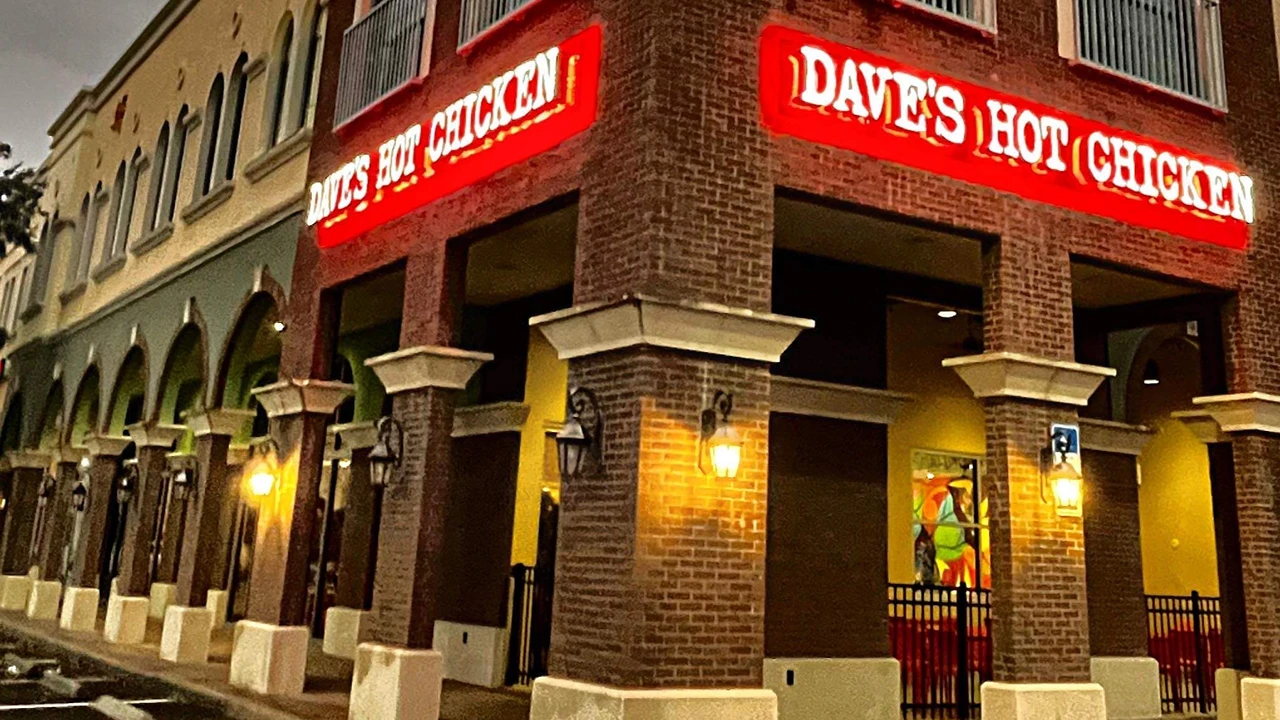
1113,556
23,495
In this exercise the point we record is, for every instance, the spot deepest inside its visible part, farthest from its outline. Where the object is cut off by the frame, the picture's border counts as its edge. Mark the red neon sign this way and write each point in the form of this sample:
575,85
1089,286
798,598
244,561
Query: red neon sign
521,113
836,95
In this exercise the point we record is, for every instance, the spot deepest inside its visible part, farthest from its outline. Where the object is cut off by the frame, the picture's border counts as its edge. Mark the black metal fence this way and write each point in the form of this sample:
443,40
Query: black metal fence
532,590
1184,635
942,639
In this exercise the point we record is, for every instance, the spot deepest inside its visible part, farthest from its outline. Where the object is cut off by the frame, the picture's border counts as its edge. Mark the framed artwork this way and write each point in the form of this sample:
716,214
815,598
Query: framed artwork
949,520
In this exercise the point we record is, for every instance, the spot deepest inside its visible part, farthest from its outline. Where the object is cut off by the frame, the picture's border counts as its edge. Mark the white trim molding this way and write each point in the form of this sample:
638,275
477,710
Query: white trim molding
426,366
1026,377
155,434
293,397
1202,425
218,421
489,419
838,402
1243,412
691,326
1114,437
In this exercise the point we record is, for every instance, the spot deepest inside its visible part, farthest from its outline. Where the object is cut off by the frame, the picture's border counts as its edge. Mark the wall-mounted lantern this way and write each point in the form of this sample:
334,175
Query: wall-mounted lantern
47,486
384,456
80,496
581,435
720,441
127,483
182,476
264,467
1062,481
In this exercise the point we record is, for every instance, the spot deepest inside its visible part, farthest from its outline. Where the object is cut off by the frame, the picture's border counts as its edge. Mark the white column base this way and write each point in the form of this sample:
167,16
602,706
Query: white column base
79,610
44,600
186,637
837,689
473,654
1259,699
392,683
14,592
126,620
269,659
162,595
1228,682
556,699
216,604
1131,684
343,631
1038,701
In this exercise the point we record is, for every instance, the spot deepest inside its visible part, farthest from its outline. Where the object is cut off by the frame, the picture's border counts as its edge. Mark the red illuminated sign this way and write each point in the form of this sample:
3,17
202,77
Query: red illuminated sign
521,113
837,95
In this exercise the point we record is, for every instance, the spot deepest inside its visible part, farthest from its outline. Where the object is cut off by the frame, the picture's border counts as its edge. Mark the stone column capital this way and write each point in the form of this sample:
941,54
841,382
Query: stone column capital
1202,425
218,421
296,397
427,366
1255,412
698,327
30,459
106,445
155,434
1027,377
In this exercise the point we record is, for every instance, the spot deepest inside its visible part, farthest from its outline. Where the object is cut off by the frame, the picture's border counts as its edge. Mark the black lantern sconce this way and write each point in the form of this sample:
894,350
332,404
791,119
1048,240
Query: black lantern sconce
128,482
80,496
263,466
181,475
720,441
384,456
47,486
581,435
1062,483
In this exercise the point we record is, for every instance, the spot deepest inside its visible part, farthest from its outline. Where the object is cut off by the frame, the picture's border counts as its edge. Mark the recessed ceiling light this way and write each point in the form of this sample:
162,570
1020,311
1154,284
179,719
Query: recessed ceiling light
947,314
278,326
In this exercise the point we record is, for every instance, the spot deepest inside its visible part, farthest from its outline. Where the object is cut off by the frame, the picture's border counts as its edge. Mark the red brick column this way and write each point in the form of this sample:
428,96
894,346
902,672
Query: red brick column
210,506
56,520
300,411
104,467
16,549
153,441
354,566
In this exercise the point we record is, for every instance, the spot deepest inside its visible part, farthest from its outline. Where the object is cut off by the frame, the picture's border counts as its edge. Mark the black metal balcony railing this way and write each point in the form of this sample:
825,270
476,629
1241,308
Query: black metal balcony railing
979,12
380,53
480,15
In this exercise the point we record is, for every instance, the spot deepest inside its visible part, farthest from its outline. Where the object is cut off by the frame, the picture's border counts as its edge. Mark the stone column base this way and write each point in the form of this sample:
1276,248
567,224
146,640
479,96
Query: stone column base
126,620
556,699
1037,701
44,600
79,609
216,604
14,592
186,637
1132,686
1259,699
861,689
343,628
162,595
1228,682
473,654
269,659
392,683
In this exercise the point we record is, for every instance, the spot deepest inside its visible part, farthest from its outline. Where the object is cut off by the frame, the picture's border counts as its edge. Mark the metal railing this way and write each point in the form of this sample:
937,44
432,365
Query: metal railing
531,592
1173,44
480,15
380,53
941,638
1184,635
979,12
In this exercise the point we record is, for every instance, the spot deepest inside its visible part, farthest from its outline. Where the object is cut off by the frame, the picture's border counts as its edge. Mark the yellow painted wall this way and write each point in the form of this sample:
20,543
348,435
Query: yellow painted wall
943,416
546,385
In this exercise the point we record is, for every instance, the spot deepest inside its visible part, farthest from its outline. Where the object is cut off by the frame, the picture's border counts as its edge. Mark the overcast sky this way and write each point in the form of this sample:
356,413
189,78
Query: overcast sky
49,49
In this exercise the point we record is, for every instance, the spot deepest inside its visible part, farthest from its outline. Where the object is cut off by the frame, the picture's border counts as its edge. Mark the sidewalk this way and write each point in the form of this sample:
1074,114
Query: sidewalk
325,696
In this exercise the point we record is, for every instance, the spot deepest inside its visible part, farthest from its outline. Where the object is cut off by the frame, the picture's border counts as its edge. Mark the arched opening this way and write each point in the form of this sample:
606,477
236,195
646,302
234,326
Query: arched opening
85,408
159,163
50,422
311,70
182,380
11,432
212,136
278,121
128,395
239,89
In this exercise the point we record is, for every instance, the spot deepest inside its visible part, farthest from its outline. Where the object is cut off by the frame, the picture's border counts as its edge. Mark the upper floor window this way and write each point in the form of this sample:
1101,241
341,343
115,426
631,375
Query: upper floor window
235,115
311,72
212,136
159,169
124,193
380,53
977,12
44,260
480,15
174,166
117,212
1172,44
278,115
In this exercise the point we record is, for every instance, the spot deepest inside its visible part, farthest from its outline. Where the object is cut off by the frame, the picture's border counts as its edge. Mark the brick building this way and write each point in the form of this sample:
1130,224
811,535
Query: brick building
845,297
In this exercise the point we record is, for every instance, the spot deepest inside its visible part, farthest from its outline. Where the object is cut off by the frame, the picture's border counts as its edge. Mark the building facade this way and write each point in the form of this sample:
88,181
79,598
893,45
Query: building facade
731,358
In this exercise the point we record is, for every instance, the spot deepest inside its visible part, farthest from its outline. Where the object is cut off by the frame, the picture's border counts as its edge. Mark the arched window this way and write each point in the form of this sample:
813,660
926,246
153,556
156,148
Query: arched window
173,171
278,118
113,217
212,134
311,73
159,170
239,88
124,223
79,248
